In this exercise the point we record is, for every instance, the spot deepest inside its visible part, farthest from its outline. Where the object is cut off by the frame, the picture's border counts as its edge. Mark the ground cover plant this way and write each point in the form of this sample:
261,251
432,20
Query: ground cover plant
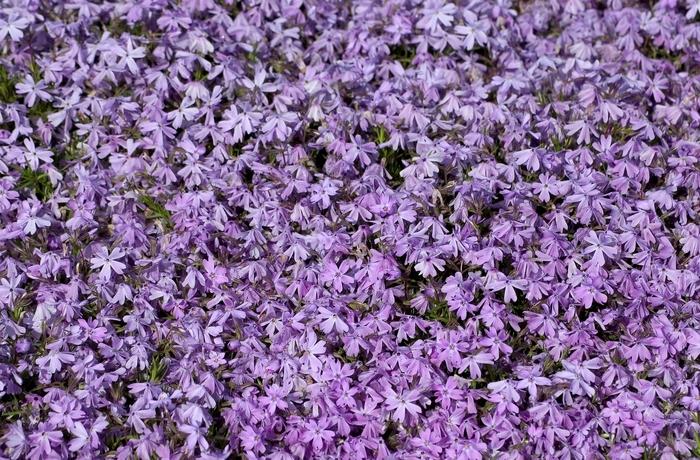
314,229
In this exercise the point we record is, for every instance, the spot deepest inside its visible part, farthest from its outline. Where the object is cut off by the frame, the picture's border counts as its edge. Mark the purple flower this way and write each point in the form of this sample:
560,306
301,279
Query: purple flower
301,230
108,262
129,55
317,434
580,375
44,440
13,27
401,403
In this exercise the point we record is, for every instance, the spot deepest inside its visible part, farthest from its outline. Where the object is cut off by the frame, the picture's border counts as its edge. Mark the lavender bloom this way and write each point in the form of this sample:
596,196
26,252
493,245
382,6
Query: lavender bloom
369,230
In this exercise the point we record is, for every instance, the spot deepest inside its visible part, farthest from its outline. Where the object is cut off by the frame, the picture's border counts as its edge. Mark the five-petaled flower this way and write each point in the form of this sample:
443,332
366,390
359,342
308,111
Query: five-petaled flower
108,262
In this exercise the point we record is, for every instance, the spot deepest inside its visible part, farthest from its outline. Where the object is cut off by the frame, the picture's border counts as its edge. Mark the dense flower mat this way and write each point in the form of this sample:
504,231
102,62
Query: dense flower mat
349,229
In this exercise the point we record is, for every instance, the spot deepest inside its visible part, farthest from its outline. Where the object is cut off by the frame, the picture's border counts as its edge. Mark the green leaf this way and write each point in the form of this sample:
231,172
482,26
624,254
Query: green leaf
37,182
156,210
441,313
7,86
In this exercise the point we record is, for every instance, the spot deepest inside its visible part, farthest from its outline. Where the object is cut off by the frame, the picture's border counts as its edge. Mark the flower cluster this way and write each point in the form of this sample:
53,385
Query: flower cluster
349,229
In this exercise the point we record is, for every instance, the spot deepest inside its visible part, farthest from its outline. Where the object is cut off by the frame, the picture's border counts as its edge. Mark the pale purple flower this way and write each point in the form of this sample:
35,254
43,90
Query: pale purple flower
306,230
108,262
130,54
317,434
13,27
33,156
402,404
32,90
